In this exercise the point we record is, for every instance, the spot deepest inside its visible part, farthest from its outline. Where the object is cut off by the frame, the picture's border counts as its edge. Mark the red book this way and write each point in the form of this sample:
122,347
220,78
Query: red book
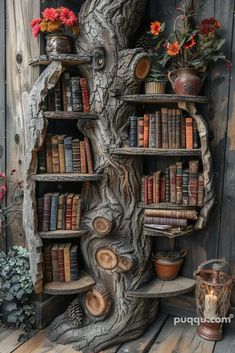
150,189
88,156
163,189
173,183
85,95
156,187
146,130
60,255
46,212
189,133
69,208
83,157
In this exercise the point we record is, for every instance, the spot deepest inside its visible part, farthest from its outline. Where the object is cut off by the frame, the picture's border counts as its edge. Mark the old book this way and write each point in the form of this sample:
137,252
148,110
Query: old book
47,263
54,261
54,211
178,129
76,94
46,212
193,182
42,160
142,189
158,130
150,190
74,262
76,155
167,221
195,135
169,127
201,191
167,174
146,130
58,96
185,186
61,201
163,189
66,92
164,113
156,187
85,95
64,211
133,131
179,182
67,272
183,132
173,183
40,205
76,212
69,206
152,131
83,157
55,154
173,128
189,133
49,154
68,153
88,156
61,153
140,131
185,214
60,254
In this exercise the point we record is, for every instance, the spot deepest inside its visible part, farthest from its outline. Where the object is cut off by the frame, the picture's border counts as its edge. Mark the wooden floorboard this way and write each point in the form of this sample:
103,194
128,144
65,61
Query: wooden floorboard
10,341
227,345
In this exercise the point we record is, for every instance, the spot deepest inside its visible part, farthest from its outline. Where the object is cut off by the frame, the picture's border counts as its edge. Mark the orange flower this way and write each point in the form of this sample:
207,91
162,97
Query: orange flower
75,30
53,26
190,43
173,48
43,26
155,28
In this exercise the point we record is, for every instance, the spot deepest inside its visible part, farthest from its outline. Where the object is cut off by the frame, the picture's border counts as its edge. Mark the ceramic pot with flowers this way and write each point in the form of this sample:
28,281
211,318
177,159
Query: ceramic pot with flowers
185,81
167,264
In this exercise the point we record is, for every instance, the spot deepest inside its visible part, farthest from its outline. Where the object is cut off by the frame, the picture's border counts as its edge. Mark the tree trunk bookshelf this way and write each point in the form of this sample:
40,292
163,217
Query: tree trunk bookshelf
117,290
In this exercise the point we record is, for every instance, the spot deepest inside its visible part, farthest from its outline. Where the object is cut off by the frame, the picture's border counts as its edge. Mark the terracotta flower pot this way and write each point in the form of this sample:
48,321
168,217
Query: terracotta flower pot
155,87
168,270
58,44
185,81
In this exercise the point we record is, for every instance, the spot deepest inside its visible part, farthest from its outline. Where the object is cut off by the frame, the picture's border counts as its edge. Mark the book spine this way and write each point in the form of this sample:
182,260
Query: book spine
167,196
178,128
157,181
193,182
83,157
150,190
146,130
66,92
60,254
40,206
69,205
60,213
179,182
76,94
88,156
54,261
183,132
48,264
164,128
46,212
195,135
152,131
189,133
185,186
68,154
67,273
140,132
163,188
55,155
170,128
185,214
58,100
201,191
85,95
75,212
49,155
166,221
133,131
174,128
158,130
76,156
173,183
61,154
74,265
54,212
42,160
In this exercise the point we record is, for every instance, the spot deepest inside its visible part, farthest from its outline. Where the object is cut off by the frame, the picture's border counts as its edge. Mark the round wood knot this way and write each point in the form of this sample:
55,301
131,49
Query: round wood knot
102,226
125,263
98,301
106,258
142,68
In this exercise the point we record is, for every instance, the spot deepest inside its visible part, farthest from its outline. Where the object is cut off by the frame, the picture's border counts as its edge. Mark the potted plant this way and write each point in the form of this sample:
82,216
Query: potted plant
60,24
167,264
156,81
188,50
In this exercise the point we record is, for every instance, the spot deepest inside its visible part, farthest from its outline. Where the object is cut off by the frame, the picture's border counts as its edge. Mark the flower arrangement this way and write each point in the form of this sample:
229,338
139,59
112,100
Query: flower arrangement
56,20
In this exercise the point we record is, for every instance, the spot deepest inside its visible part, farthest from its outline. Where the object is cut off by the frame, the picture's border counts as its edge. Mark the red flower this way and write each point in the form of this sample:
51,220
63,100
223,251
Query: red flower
50,14
36,21
155,28
190,43
173,49
209,25
36,30
2,175
67,17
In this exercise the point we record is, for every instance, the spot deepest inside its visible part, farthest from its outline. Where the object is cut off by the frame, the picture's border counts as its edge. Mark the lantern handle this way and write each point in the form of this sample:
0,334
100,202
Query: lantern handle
203,264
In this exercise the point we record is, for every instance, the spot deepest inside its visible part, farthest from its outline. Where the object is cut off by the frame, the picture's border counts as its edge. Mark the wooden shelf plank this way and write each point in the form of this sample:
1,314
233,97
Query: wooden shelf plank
159,289
162,98
155,151
165,233
66,59
62,234
168,205
83,284
69,115
66,177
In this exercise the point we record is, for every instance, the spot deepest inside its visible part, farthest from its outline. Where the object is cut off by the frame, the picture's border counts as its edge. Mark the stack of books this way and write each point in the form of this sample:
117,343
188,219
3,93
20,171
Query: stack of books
164,129
70,94
176,184
59,212
60,262
65,154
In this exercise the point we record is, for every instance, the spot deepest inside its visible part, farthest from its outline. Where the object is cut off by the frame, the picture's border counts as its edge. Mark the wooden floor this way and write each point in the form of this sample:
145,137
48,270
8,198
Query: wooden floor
161,337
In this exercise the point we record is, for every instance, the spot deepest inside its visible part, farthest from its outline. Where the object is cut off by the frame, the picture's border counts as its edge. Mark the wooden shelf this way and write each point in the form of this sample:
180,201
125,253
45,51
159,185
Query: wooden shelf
84,283
160,289
166,233
66,177
162,98
168,206
61,115
66,59
168,152
63,234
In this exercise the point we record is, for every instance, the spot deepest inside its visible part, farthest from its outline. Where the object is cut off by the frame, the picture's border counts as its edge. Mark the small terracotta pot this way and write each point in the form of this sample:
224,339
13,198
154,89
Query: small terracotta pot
185,81
168,270
58,44
154,87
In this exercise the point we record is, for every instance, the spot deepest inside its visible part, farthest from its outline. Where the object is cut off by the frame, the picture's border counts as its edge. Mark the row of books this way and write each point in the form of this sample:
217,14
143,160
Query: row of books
60,262
70,94
59,212
174,185
65,154
164,129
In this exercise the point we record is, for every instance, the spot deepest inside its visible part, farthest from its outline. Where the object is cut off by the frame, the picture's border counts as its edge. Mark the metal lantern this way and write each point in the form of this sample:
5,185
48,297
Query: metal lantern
213,292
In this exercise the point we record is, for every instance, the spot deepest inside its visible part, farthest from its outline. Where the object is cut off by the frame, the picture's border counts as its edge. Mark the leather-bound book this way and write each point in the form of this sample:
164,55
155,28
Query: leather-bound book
152,131
150,190
166,221
183,132
83,157
133,131
179,182
76,212
163,189
140,131
58,96
69,207
54,211
46,212
201,190
157,187
68,153
42,160
173,128
61,201
47,263
85,95
167,174
173,183
158,130
40,205
76,93
64,211
67,272
76,155
185,187
195,135
66,92
185,214
55,154
193,182
170,127
189,133
74,262
146,130
178,129
61,153
54,261
164,114
88,156
60,254
49,154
